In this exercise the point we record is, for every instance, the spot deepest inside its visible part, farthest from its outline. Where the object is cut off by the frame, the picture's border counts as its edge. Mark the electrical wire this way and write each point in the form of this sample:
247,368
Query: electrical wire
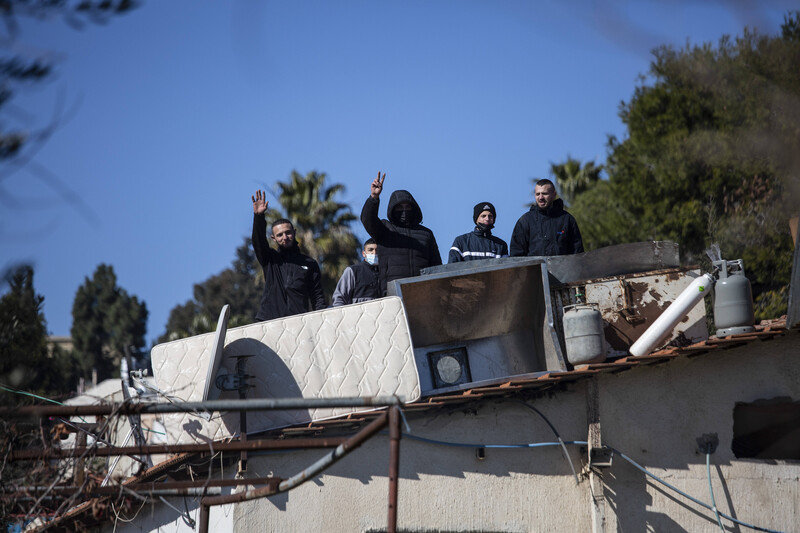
711,489
207,416
476,445
584,443
25,393
32,395
695,500
185,516
560,440
79,429
118,518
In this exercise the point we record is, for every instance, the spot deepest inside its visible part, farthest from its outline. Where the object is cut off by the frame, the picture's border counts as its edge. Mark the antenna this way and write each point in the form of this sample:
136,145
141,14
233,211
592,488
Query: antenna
210,392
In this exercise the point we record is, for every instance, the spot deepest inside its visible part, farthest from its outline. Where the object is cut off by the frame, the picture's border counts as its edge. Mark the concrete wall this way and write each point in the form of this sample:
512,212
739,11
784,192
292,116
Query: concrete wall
652,414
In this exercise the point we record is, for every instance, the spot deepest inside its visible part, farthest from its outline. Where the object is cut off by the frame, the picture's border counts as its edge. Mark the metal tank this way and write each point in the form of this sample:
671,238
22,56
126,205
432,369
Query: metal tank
583,334
677,311
733,299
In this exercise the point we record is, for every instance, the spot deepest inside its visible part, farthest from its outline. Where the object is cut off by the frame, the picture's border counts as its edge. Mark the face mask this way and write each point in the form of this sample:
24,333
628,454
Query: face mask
403,215
372,259
484,227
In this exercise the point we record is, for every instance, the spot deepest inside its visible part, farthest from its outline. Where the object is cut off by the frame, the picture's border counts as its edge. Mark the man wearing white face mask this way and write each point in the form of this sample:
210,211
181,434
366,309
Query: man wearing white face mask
359,283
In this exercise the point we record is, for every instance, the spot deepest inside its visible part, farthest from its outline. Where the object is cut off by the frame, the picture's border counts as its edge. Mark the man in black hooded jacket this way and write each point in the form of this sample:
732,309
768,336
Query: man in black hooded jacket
404,245
546,229
293,283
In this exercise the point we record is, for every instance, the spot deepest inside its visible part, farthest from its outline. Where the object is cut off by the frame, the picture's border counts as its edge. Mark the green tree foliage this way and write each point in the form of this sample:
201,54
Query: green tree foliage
603,221
239,286
25,362
322,223
25,370
105,320
710,156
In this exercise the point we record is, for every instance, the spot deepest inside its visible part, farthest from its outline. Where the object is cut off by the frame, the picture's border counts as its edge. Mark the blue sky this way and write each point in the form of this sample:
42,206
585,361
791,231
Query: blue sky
171,116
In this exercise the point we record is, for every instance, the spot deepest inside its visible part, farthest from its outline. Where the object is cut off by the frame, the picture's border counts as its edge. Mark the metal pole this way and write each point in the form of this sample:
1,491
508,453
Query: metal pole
309,473
141,488
240,362
169,493
116,459
79,470
394,466
204,511
253,404
250,445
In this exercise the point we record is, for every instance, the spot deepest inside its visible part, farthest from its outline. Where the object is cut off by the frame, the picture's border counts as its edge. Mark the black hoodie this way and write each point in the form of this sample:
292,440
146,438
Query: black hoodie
292,280
403,250
550,231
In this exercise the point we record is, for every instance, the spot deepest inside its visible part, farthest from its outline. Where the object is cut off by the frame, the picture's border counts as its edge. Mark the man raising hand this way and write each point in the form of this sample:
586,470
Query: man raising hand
405,246
292,280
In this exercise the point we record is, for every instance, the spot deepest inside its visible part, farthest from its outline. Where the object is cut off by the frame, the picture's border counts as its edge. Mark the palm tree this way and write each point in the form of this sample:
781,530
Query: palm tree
573,178
322,223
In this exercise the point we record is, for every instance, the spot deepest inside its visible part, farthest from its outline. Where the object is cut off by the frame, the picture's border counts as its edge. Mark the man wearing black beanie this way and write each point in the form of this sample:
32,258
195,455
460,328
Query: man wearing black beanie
479,243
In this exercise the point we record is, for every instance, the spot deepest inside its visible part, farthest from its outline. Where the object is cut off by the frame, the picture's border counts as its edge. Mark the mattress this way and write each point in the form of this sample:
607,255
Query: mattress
357,350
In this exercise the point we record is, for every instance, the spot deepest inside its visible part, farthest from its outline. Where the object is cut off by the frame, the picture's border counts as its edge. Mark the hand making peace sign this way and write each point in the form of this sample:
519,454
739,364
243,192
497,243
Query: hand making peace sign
377,185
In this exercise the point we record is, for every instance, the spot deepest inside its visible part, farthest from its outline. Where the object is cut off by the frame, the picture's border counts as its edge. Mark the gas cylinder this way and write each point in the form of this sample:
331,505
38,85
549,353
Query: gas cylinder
583,333
674,313
733,299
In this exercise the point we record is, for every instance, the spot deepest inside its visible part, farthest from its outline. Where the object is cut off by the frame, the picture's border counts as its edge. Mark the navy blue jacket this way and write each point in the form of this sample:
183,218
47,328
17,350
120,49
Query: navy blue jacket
480,244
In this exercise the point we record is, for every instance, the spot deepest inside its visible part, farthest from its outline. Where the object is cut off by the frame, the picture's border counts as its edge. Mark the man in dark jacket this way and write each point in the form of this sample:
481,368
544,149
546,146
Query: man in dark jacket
479,243
292,280
359,283
546,229
404,245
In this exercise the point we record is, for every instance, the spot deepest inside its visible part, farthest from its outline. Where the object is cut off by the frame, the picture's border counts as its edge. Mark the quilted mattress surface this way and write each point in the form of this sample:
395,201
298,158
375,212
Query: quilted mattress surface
355,350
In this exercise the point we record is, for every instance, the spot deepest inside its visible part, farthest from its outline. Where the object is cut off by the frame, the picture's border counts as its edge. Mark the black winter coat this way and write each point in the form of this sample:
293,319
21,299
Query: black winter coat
552,231
293,283
402,250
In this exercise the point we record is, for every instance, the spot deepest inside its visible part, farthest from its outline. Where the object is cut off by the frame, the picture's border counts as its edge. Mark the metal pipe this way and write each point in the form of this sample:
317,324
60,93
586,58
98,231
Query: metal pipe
204,511
394,466
117,459
343,449
143,488
251,445
78,469
193,492
253,404
309,473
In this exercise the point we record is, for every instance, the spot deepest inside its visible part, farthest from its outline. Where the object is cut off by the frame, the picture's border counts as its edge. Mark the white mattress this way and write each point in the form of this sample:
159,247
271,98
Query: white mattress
356,350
